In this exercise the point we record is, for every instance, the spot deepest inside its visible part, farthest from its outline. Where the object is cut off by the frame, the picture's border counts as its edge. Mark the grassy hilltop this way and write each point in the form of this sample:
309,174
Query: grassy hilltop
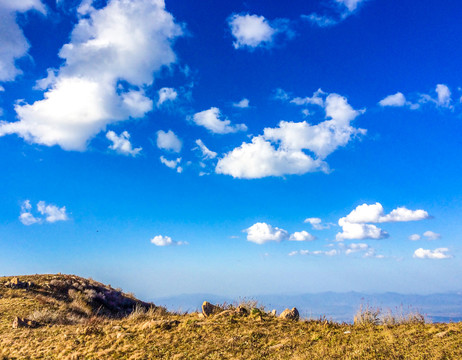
68,317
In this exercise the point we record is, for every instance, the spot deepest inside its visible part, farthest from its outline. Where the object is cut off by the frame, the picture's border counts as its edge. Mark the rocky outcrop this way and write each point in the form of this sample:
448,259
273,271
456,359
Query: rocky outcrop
241,310
209,309
15,283
290,314
24,323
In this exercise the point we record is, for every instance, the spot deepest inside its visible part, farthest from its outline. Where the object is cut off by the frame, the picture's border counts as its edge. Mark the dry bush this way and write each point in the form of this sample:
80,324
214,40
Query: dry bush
249,304
142,313
367,316
79,303
59,317
399,317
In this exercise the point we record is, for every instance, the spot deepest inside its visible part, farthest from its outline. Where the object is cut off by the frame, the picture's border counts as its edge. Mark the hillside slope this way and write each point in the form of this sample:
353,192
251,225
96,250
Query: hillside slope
95,321
61,299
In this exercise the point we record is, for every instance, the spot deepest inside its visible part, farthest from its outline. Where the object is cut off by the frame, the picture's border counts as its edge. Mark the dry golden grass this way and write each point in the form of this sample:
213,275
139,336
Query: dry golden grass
155,334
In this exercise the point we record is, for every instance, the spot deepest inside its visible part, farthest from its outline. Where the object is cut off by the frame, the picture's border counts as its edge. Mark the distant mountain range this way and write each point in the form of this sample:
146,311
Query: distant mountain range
340,307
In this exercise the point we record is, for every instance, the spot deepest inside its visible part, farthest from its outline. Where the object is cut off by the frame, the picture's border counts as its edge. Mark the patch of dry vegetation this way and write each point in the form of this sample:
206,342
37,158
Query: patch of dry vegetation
153,333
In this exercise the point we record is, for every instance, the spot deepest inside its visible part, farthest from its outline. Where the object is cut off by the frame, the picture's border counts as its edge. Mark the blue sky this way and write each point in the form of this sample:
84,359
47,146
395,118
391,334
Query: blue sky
236,148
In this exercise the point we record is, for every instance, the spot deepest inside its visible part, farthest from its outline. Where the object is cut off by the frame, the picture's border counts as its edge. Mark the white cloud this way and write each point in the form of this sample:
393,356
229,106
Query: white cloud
332,252
316,223
206,152
354,225
26,216
324,138
260,233
14,44
351,5
316,99
260,158
359,231
343,9
367,251
353,248
124,41
168,141
444,95
320,20
430,235
301,236
122,144
172,164
251,31
166,94
28,219
243,104
49,213
210,119
440,253
443,99
397,99
414,237
375,214
160,240
281,94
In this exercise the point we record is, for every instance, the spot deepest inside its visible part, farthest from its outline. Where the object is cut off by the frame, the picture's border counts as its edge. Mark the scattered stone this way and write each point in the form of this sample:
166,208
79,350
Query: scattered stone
290,314
15,283
347,332
274,313
209,309
24,323
200,316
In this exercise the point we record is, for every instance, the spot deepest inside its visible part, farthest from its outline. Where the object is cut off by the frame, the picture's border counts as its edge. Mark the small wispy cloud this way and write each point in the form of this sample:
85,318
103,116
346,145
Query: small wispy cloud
243,104
172,164
121,143
443,99
166,95
261,233
253,31
428,235
317,224
168,141
45,213
337,11
161,240
358,224
438,254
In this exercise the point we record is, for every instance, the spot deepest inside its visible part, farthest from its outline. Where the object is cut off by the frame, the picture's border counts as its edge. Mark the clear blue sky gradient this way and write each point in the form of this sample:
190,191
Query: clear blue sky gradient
116,204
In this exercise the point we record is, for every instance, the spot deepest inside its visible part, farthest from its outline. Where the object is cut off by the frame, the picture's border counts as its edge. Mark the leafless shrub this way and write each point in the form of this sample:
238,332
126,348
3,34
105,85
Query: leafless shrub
142,312
366,315
61,317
